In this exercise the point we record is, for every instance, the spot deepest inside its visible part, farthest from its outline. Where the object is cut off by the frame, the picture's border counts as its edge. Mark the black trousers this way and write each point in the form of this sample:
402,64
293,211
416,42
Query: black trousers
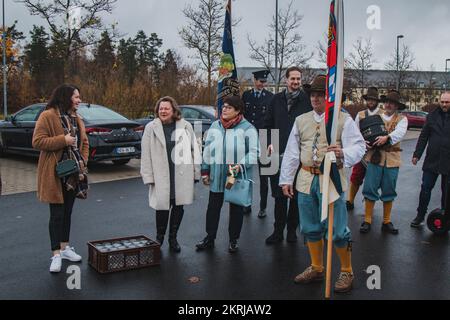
162,219
263,189
284,216
60,220
428,182
213,216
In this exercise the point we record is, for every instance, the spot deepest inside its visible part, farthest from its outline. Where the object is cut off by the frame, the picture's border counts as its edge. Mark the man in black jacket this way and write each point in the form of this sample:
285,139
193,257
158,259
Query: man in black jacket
284,108
435,133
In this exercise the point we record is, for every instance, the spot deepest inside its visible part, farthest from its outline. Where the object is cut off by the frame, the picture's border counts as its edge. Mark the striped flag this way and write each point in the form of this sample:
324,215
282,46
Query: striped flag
227,82
335,81
335,76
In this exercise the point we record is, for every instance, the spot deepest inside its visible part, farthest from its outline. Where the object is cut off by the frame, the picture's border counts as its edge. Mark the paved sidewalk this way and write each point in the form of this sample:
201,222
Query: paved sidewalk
19,173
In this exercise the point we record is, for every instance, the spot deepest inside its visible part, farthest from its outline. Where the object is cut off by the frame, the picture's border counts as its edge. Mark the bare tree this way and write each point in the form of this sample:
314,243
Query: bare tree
405,62
360,61
321,49
203,34
74,23
291,50
430,85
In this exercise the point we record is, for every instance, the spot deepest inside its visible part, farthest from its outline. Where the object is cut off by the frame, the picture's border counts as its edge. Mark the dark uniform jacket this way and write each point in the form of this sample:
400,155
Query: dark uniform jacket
435,133
278,116
256,108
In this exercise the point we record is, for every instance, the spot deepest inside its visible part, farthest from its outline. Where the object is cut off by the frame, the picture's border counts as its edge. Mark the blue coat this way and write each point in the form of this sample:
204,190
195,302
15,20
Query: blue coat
239,145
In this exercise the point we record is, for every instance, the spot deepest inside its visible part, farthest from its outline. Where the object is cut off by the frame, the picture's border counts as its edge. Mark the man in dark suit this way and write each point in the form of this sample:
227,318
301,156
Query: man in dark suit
284,108
257,102
435,134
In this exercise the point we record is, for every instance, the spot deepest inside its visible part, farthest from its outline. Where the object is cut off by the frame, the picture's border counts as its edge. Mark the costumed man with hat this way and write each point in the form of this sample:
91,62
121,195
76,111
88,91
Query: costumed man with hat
307,146
384,160
257,102
284,108
359,170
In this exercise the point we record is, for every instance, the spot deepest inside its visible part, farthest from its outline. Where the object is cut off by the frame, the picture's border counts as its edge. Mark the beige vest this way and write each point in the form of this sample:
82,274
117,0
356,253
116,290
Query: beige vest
307,128
390,155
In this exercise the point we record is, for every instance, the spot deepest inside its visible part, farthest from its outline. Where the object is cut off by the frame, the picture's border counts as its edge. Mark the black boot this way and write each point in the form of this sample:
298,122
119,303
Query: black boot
206,243
389,227
291,236
160,238
233,247
175,221
162,218
417,222
365,227
275,237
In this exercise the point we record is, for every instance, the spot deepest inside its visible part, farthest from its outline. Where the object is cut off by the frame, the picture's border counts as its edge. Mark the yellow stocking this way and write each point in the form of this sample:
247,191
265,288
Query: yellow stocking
316,253
369,210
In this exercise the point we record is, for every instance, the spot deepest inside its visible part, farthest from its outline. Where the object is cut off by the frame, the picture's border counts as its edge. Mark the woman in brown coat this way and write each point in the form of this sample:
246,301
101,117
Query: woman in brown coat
58,129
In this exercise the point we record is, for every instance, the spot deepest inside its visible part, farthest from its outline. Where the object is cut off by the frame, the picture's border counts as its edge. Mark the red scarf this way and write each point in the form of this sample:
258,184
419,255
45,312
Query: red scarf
228,124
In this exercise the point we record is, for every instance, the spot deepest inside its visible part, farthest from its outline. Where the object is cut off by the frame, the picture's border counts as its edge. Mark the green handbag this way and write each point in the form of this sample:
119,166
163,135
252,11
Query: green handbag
66,168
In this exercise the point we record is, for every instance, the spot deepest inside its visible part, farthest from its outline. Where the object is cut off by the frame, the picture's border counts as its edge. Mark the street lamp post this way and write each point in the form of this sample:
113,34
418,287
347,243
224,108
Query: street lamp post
398,58
276,47
5,98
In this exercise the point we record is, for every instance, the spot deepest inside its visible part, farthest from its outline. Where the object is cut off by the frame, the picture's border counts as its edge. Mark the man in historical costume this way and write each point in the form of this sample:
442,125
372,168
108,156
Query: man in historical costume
257,102
384,160
435,134
307,146
359,170
284,108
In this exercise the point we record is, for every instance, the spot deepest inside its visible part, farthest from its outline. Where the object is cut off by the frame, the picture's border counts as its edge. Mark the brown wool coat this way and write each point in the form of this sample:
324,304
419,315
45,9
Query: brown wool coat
49,138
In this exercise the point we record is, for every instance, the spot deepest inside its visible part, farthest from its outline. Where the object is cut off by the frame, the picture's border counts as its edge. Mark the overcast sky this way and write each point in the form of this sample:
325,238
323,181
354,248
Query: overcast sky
425,25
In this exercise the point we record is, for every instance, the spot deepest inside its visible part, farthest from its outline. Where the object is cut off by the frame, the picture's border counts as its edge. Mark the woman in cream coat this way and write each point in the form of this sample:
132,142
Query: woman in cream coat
170,165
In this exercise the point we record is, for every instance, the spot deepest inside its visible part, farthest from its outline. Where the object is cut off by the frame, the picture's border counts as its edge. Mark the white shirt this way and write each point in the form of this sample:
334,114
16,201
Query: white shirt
353,147
400,130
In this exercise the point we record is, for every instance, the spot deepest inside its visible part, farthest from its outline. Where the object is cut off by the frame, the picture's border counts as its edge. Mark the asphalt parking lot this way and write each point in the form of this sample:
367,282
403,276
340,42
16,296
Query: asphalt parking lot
414,265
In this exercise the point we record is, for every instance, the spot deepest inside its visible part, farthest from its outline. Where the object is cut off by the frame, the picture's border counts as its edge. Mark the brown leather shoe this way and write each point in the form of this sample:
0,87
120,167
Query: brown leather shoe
344,283
309,275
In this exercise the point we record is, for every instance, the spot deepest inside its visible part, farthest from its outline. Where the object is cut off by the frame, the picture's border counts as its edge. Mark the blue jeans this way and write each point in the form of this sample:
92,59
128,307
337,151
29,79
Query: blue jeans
428,182
310,212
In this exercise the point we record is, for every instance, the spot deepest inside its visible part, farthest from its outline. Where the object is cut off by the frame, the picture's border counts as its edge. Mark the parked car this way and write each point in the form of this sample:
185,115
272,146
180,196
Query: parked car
111,135
416,119
194,114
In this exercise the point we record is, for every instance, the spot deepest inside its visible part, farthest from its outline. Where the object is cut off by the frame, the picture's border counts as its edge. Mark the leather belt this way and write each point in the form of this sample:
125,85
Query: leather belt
316,170
313,170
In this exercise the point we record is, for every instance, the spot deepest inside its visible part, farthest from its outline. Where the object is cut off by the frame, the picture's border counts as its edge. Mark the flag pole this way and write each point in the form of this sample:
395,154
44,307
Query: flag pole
336,86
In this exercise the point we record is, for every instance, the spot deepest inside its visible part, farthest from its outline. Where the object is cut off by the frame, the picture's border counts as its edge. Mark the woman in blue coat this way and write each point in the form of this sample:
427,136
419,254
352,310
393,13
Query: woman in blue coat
232,142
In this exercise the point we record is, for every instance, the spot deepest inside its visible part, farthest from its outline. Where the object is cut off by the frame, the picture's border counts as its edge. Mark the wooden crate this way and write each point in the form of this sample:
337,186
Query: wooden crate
121,254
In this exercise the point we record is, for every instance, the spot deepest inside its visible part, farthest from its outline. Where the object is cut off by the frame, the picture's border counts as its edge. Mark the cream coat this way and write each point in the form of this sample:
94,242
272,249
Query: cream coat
155,164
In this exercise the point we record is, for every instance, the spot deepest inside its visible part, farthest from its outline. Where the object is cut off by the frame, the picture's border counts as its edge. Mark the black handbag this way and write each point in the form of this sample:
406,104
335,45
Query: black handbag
66,168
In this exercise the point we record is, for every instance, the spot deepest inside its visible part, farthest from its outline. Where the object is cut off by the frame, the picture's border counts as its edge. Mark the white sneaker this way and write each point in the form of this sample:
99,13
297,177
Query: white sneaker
69,254
55,266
